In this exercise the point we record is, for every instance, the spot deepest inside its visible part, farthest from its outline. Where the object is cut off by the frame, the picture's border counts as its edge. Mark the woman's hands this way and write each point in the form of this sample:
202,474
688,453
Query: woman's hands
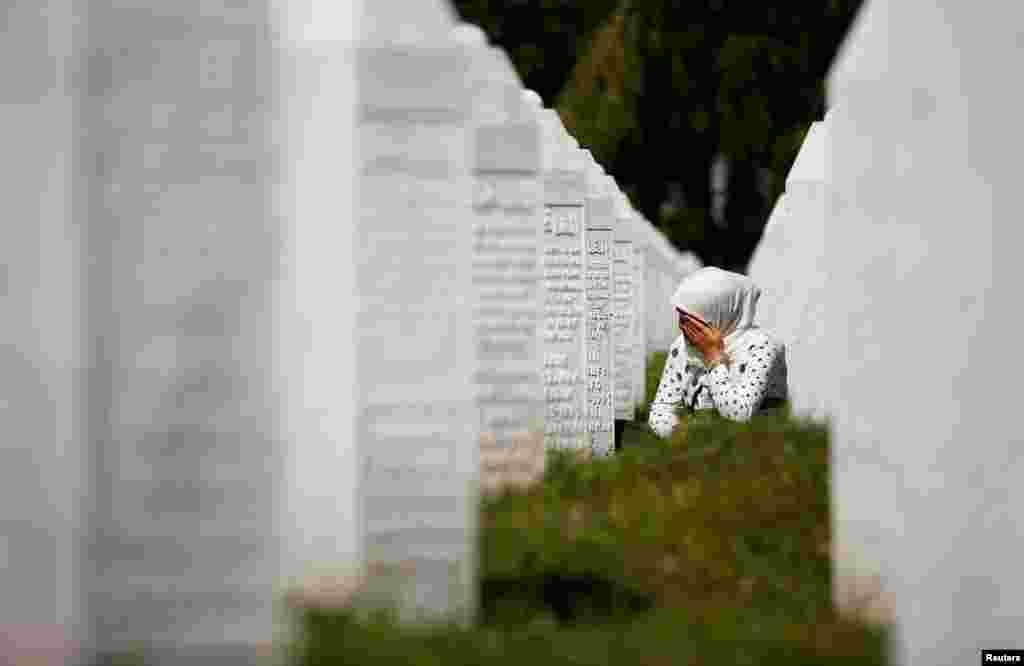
705,337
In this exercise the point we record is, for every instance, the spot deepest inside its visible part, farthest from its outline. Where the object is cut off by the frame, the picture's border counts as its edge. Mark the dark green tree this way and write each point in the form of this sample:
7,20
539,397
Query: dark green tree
544,38
698,108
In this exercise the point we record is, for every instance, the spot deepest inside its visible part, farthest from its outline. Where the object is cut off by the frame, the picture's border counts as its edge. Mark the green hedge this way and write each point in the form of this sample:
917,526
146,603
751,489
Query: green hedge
708,548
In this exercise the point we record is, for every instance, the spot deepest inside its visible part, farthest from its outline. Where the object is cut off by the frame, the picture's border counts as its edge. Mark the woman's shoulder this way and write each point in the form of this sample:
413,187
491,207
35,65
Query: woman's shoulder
759,338
678,347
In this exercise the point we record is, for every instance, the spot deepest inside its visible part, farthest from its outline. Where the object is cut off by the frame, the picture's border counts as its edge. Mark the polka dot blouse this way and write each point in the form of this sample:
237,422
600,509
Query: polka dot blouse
757,372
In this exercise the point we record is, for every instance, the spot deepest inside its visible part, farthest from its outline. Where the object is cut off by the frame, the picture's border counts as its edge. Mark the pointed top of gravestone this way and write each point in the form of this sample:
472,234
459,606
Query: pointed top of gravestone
547,119
693,262
776,214
611,186
864,53
469,34
811,162
553,137
623,211
515,106
557,151
528,110
597,185
499,68
567,139
486,80
534,100
505,66
550,126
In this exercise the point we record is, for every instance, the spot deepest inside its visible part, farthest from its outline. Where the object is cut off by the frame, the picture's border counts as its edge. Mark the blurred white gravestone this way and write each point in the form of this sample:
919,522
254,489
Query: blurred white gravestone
651,287
43,253
563,297
377,196
926,432
789,267
804,300
181,251
600,221
622,302
640,349
506,244
663,311
768,269
392,177
662,329
183,407
417,433
868,515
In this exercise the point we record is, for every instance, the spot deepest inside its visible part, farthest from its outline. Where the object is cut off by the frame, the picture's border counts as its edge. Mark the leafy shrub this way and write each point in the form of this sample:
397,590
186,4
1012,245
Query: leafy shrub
710,547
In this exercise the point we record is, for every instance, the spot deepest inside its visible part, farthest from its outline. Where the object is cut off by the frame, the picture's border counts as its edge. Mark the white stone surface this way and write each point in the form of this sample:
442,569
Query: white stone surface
927,191
789,266
623,302
640,351
42,399
218,308
183,409
239,276
599,274
664,276
507,238
417,431
918,319
564,307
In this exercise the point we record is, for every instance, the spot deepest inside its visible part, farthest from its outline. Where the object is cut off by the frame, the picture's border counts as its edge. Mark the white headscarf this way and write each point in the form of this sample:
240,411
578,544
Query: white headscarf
726,300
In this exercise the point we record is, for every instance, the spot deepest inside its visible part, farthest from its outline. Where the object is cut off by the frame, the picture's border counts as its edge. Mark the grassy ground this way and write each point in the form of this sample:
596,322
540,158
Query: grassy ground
710,548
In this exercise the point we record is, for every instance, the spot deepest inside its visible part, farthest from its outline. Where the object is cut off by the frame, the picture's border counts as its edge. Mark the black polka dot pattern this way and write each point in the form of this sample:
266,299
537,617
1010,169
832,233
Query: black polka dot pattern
736,391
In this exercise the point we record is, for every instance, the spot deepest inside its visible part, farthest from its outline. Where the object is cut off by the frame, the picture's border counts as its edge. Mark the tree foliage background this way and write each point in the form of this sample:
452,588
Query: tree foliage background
697,108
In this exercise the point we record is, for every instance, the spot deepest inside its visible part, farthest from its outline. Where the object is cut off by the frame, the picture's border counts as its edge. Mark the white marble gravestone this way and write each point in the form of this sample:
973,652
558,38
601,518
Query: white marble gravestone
923,321
652,279
175,115
44,457
789,267
670,267
918,322
506,243
661,324
417,428
666,319
563,296
869,516
640,351
767,267
808,200
623,308
377,339
599,274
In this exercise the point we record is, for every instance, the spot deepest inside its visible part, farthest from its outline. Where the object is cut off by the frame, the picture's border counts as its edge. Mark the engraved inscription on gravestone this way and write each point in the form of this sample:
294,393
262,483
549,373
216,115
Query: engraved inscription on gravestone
506,277
623,308
417,432
564,307
639,336
599,317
